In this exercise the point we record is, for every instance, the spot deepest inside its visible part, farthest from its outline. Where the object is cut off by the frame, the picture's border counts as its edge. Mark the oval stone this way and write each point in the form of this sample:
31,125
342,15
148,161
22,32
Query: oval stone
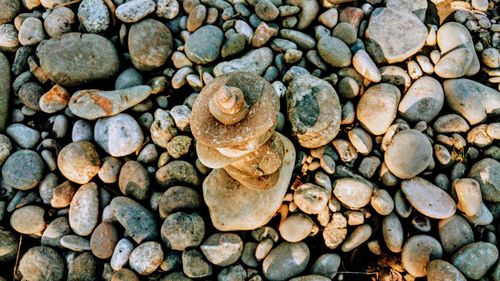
84,209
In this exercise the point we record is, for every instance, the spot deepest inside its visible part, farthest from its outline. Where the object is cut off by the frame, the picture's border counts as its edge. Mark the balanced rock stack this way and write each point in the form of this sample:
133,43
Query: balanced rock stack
233,121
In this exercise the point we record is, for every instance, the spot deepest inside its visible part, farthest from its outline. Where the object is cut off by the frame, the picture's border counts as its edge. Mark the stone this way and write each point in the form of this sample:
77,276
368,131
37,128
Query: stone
326,265
9,41
193,264
23,135
408,154
428,199
394,36
468,193
10,9
61,198
359,236
8,246
417,252
392,232
150,44
346,32
234,272
23,170
138,222
303,40
233,206
134,180
475,259
179,146
163,128
451,123
135,10
84,209
334,51
30,94
31,32
377,107
103,240
59,21
118,135
423,101
74,59
28,220
222,249
82,268
79,161
418,8
124,274
180,231
56,229
255,61
178,198
75,243
365,66
296,227
266,10
94,15
313,111
440,270
93,104
381,201
454,233
42,263
353,193
146,257
167,9
455,41
311,198
177,172
486,172
121,253
204,45
286,260
57,98
5,80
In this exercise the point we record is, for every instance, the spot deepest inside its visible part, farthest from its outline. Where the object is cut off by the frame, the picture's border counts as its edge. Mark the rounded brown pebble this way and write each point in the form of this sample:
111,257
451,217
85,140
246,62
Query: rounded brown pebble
40,264
79,161
103,240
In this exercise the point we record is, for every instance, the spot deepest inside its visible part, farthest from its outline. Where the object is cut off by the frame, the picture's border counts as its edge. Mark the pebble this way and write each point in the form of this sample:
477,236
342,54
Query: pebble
134,180
302,40
366,67
23,170
222,249
124,274
468,193
326,265
382,202
103,240
138,222
417,252
346,32
94,15
334,51
5,80
296,227
8,246
359,236
177,172
118,135
23,135
442,270
408,154
423,101
329,18
150,44
59,21
193,264
428,199
8,38
475,259
146,257
387,41
179,146
486,172
10,9
314,116
178,198
78,64
93,104
180,231
31,32
28,220
56,99
204,45
61,198
135,10
56,229
266,10
82,268
255,61
121,253
75,243
392,232
167,9
451,123
454,233
377,107
42,263
84,209
79,161
286,260
353,193
311,198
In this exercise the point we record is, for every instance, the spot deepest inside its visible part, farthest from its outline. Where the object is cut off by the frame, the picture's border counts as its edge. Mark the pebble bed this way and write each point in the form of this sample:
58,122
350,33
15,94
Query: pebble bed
392,107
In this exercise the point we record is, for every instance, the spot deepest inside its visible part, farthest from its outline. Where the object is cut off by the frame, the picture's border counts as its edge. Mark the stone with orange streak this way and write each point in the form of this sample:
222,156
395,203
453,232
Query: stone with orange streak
55,99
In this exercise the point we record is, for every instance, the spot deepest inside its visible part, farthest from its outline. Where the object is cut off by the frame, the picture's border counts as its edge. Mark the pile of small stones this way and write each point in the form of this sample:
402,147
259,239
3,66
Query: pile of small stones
392,107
